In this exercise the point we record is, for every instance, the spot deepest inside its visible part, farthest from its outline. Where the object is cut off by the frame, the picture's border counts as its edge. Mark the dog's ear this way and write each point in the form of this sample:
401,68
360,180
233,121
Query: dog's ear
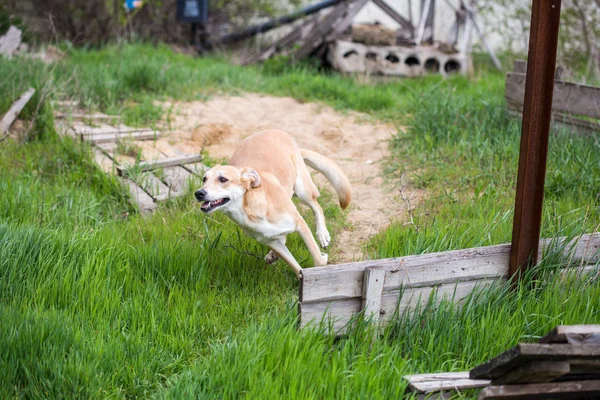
250,175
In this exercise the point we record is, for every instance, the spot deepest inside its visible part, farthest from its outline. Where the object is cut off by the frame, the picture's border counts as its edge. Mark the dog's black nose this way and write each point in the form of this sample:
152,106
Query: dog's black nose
200,194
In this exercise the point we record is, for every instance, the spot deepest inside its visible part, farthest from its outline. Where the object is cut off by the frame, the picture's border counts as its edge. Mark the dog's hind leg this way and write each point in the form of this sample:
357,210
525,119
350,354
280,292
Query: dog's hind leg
279,248
308,193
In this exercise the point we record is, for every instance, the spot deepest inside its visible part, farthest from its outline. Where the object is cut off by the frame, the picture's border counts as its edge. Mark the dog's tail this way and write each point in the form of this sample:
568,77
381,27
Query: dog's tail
332,172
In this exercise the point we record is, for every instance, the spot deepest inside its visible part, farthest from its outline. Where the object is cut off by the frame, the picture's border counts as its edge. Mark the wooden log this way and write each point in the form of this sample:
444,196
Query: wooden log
14,110
163,163
534,372
574,334
557,390
446,381
528,352
373,292
112,137
571,98
346,280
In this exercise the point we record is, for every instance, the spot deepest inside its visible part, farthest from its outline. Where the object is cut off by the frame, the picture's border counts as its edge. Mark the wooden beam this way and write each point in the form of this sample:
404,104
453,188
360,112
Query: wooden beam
557,390
572,98
445,381
161,163
113,137
543,41
573,334
14,110
372,293
528,352
385,7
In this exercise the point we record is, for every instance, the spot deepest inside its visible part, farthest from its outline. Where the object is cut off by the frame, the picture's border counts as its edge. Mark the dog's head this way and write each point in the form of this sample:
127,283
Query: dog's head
224,185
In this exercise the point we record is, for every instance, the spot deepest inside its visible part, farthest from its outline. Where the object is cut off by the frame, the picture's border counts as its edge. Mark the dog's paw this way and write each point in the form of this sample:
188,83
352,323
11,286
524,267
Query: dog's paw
324,238
271,257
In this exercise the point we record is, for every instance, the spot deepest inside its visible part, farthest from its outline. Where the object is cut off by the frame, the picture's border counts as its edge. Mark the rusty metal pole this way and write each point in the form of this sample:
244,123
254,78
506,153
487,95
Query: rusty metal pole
539,87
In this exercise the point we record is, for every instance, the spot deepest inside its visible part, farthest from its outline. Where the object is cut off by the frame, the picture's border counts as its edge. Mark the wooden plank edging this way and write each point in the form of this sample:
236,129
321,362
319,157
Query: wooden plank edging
437,382
15,109
162,163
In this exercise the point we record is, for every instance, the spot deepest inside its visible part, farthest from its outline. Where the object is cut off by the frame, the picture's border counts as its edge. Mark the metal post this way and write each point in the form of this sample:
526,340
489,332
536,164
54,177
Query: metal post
539,87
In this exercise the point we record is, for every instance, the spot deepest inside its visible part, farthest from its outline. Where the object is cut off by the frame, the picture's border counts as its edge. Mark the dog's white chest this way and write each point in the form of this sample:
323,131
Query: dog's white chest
263,230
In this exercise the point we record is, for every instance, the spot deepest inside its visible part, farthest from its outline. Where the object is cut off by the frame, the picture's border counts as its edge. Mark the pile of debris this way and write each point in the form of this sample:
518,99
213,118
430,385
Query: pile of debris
326,30
11,44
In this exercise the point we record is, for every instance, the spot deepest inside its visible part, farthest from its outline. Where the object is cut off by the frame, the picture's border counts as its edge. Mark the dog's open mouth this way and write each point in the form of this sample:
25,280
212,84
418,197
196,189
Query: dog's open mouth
211,205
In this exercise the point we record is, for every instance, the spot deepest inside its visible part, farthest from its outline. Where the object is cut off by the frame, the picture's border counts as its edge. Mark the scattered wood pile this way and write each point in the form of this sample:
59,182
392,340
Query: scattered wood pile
326,30
163,175
573,105
565,364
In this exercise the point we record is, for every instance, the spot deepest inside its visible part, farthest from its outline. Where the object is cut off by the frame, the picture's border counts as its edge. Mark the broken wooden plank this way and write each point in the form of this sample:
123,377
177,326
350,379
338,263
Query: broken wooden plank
534,372
528,352
103,129
372,293
142,200
177,178
561,119
385,7
10,41
197,169
568,97
346,280
574,334
152,185
556,390
445,381
163,163
105,163
14,110
88,116
112,137
316,37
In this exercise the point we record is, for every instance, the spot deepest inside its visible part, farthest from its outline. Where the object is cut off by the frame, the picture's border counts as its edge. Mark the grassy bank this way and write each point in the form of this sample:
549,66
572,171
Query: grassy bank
96,302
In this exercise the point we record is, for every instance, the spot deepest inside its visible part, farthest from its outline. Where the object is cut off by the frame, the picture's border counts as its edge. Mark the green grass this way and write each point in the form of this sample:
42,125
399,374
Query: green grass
98,302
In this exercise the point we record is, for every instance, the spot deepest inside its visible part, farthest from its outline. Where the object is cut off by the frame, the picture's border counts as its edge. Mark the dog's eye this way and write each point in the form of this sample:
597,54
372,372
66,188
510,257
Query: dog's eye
204,180
222,179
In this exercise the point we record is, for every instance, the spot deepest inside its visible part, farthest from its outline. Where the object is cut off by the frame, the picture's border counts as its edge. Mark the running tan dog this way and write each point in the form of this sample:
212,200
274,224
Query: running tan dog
255,190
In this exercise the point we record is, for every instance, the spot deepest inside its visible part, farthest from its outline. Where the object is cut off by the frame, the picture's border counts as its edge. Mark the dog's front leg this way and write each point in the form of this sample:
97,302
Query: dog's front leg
304,231
278,246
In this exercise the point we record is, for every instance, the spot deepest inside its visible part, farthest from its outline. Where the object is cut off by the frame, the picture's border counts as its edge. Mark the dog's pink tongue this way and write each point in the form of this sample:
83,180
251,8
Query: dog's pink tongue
206,204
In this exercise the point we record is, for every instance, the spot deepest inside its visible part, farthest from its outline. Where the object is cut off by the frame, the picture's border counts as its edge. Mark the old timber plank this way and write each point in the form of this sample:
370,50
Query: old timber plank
430,383
346,280
574,334
177,179
528,352
112,137
103,129
14,110
142,199
534,372
105,163
557,390
568,97
373,292
153,186
163,163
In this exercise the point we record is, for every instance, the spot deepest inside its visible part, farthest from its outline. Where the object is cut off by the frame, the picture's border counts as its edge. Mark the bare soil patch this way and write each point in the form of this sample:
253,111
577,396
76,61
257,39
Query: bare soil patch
355,141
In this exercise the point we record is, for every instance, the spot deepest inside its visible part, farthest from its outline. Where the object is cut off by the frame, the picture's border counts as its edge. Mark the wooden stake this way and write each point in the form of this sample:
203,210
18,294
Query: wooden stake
539,87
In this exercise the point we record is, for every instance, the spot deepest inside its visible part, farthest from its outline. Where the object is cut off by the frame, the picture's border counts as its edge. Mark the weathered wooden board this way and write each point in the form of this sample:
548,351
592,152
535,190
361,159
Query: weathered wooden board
561,119
574,334
568,97
373,292
86,116
317,35
105,163
346,280
163,163
153,186
143,200
528,352
15,109
197,169
557,390
103,129
112,137
430,383
336,292
177,178
534,372
520,66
